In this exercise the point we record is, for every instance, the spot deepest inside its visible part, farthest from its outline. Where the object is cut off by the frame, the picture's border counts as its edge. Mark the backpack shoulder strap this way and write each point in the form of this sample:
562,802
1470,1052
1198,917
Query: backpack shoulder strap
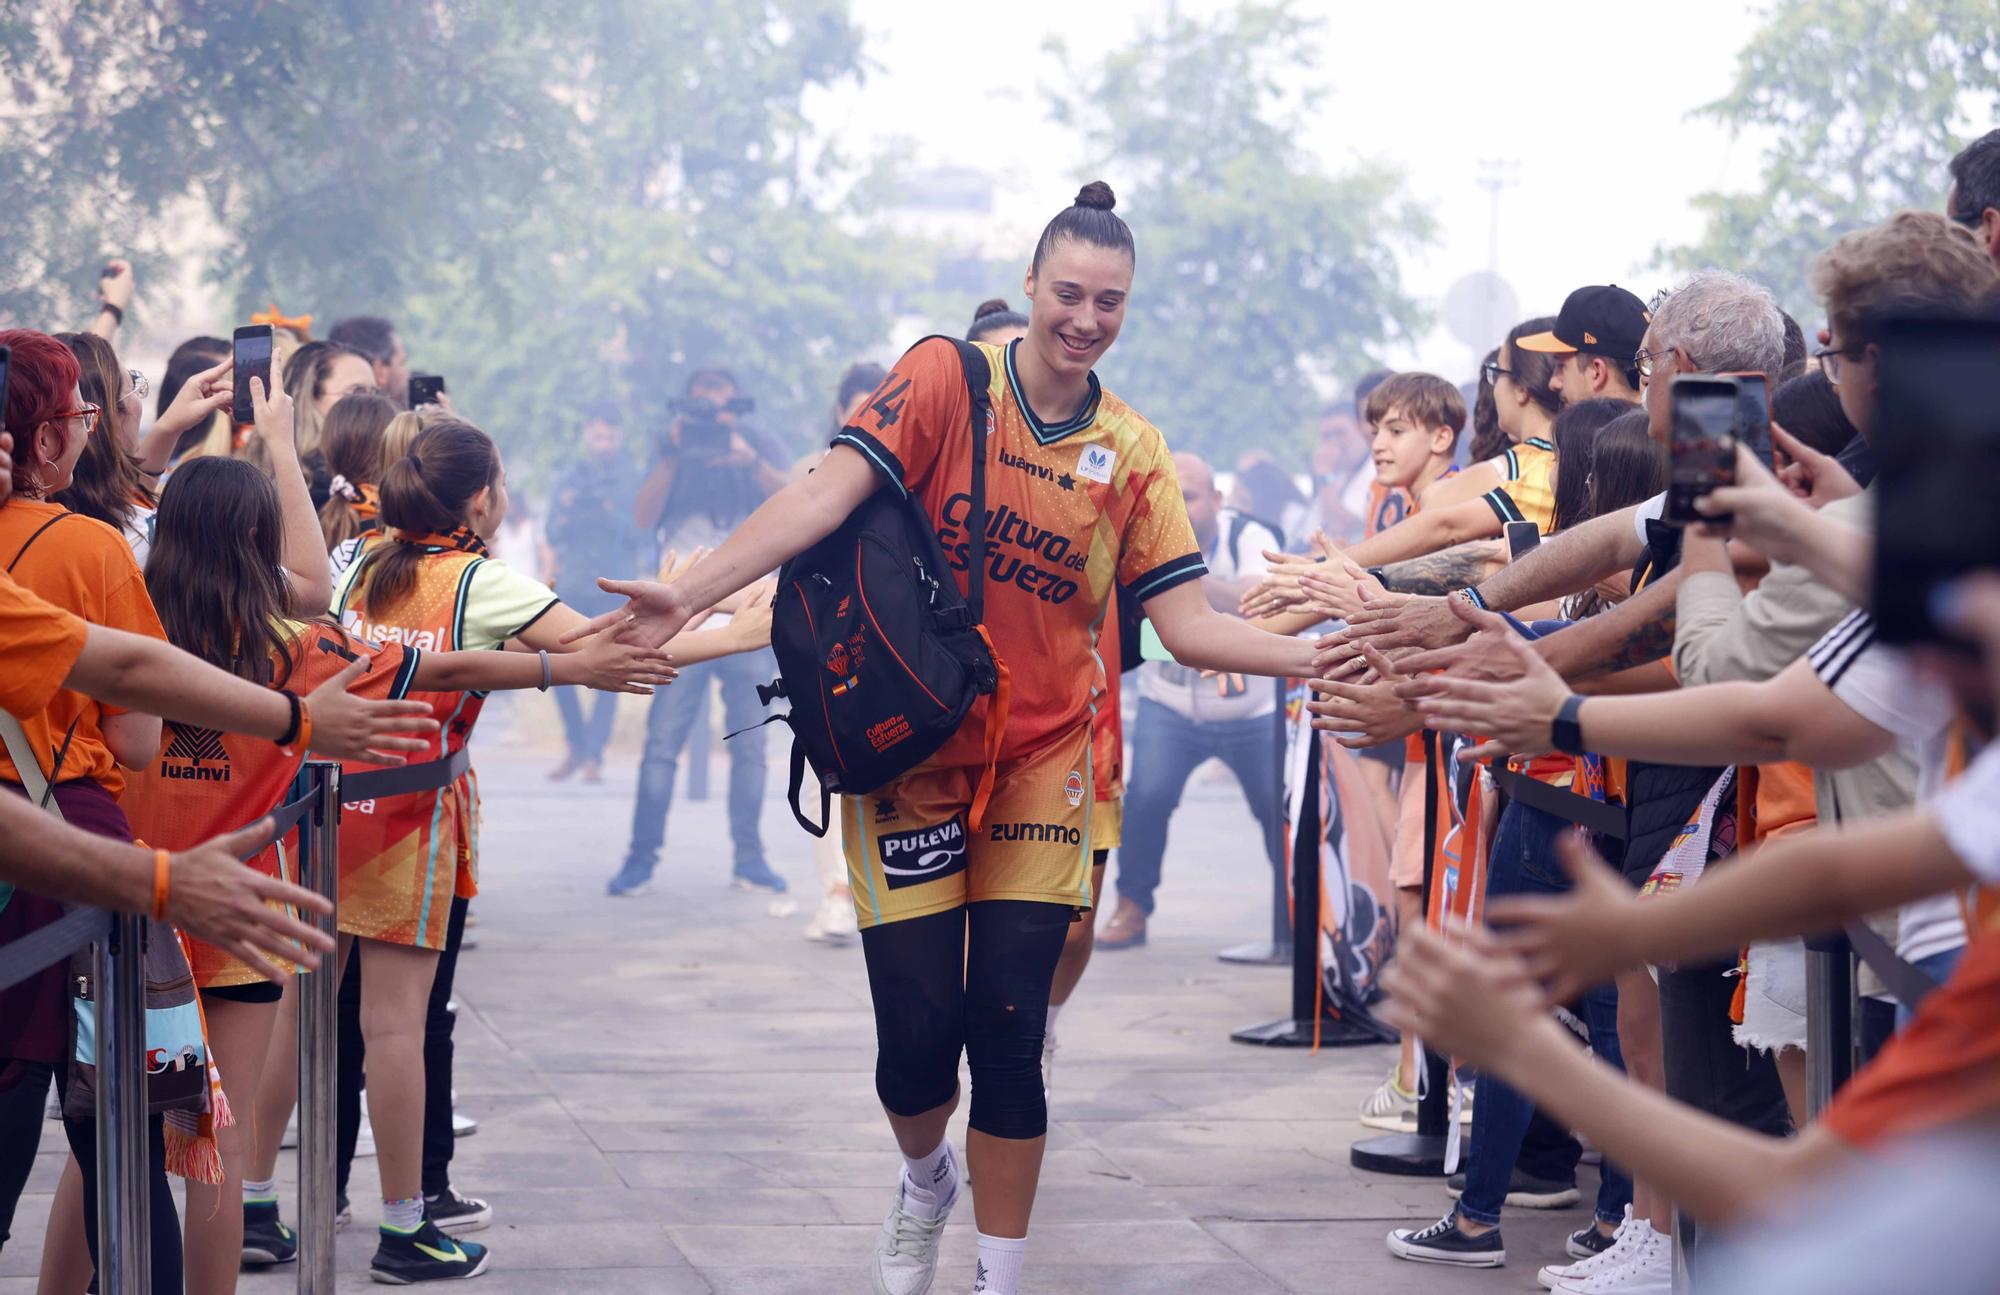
978,385
30,542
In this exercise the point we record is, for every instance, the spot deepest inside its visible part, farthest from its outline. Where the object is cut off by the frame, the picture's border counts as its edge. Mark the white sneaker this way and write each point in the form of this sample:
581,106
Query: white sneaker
834,921
1647,1269
1390,1108
906,1257
1627,1235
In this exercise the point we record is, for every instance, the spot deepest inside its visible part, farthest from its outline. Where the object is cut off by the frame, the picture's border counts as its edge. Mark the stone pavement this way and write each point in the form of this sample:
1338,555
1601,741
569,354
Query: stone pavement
675,1092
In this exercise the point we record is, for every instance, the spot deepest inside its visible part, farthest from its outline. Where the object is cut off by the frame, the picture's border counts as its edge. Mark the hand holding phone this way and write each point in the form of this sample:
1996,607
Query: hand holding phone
425,388
251,354
1703,444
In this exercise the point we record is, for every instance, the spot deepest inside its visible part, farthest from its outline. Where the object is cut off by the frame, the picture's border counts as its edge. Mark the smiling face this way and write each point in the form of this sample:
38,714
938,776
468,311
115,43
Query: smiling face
1403,447
1077,305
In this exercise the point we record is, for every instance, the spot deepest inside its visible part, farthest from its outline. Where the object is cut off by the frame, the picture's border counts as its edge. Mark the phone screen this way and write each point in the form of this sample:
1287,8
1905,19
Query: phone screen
1703,446
1940,453
1522,537
1753,417
252,357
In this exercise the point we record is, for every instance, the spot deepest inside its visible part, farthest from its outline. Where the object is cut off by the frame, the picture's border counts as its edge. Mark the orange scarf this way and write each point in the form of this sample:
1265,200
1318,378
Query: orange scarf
460,538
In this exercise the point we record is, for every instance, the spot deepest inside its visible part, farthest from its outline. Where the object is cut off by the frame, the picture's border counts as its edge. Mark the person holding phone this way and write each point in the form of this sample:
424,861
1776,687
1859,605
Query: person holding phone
377,340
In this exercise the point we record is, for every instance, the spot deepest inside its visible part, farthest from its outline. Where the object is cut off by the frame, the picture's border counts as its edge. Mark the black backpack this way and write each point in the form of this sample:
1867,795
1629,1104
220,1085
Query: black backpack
878,653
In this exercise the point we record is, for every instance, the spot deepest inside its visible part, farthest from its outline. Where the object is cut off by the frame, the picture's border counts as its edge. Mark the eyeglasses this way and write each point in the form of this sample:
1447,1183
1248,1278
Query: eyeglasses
1829,361
1492,372
89,413
1645,360
139,384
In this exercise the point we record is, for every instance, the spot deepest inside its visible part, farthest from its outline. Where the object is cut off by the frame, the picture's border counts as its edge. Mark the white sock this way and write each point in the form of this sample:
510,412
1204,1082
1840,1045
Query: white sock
930,1183
999,1271
264,1190
404,1215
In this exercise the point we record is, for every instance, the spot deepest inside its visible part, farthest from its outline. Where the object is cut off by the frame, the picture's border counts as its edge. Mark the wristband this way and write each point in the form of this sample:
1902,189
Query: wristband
162,869
1471,595
1566,732
117,312
291,734
548,672
1379,576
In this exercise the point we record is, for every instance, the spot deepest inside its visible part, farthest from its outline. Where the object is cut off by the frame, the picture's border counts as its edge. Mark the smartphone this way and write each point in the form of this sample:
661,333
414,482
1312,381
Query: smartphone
1939,393
1703,419
424,388
1753,416
252,357
1522,537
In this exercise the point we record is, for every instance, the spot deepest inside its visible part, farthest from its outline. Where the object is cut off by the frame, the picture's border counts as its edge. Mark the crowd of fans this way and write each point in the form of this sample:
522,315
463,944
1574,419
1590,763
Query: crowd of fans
1488,577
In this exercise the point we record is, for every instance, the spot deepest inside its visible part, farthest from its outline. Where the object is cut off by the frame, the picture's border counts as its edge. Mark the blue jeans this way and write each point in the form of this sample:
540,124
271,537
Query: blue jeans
1166,748
1938,966
586,724
1524,862
668,723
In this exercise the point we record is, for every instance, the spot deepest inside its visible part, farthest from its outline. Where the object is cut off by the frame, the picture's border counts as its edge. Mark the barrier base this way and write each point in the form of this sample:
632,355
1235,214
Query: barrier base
1259,953
1412,1155
1290,1032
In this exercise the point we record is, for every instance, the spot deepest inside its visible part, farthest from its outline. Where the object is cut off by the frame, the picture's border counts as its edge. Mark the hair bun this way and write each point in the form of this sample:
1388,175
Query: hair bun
1097,195
995,306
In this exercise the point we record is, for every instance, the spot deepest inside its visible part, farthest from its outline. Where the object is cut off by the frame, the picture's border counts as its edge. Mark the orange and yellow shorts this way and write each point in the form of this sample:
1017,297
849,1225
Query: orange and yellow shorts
911,851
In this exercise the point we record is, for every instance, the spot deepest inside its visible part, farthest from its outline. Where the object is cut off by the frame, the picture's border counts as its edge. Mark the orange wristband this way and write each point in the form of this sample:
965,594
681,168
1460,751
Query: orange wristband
302,740
162,868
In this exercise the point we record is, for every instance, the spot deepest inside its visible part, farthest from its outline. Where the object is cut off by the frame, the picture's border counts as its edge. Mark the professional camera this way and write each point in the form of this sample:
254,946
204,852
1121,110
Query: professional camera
703,434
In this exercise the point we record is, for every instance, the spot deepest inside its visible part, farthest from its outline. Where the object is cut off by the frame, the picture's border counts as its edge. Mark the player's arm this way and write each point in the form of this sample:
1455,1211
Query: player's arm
1201,637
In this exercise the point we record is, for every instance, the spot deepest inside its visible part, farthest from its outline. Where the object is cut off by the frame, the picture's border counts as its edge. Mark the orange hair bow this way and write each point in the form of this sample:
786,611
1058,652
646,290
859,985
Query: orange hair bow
302,324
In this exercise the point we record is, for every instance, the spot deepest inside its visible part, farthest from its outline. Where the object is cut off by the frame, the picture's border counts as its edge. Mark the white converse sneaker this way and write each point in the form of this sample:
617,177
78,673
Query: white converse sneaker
906,1257
1647,1269
1627,1235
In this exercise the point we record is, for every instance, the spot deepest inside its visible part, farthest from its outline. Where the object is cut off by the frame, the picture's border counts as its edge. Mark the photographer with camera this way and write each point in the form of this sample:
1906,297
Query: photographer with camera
710,471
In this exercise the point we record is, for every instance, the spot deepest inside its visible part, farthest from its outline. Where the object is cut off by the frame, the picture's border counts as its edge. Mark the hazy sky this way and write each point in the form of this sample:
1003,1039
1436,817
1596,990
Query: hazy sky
1593,104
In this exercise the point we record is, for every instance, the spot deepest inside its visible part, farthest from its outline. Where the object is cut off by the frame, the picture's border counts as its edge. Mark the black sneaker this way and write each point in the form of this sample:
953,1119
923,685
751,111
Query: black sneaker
1588,1241
1526,1192
426,1255
266,1239
1443,1243
457,1214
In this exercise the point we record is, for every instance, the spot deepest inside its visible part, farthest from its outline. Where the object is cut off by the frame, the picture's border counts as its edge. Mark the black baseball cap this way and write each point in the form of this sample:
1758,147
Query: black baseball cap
1603,319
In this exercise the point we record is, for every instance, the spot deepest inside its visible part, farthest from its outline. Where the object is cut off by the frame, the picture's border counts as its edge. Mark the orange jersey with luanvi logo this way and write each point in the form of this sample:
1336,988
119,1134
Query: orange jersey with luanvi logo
1074,508
205,782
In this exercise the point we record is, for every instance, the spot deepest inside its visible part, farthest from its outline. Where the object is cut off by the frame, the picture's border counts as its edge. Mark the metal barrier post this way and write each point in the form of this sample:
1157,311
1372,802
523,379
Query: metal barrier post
1829,1019
318,991
124,1238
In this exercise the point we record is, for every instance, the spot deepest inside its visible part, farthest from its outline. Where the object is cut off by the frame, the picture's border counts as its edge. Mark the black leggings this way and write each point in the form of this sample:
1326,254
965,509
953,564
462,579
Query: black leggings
973,980
24,1093
163,1212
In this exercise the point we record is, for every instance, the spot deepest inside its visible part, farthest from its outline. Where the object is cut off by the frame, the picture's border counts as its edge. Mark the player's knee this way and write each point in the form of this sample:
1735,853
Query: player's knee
1003,1049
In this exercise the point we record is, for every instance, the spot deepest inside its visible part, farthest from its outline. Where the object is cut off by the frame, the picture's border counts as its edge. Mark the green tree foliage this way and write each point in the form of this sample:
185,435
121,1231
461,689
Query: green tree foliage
1862,103
556,202
1257,270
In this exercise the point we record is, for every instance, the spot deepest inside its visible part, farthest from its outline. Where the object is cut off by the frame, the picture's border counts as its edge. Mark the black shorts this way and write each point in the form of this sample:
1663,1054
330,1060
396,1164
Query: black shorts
257,991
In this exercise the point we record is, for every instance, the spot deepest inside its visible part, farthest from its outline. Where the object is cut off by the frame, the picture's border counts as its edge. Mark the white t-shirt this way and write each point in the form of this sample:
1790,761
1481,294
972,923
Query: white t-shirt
1182,689
1878,683
1968,813
1649,510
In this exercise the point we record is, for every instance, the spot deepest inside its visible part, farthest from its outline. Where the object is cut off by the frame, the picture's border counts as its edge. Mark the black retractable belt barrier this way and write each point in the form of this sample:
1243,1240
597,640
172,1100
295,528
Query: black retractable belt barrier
1296,1030
1277,951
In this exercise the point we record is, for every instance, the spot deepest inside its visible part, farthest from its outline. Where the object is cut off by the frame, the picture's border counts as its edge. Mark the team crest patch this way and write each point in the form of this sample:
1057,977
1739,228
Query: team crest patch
1073,788
1094,464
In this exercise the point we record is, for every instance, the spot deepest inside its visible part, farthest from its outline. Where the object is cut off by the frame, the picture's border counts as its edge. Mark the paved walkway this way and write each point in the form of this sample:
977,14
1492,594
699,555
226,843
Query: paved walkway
675,1092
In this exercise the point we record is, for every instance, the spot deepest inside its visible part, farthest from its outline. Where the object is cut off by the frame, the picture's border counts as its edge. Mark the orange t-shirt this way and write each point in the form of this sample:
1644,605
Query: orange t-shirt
80,564
39,642
206,782
1941,1069
1073,508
